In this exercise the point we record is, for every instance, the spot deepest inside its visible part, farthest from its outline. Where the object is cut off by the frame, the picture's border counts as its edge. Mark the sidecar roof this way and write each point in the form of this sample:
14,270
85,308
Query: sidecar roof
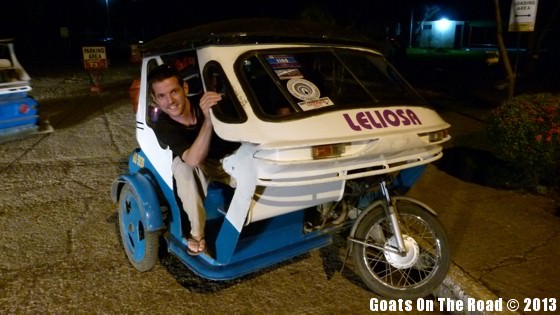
245,31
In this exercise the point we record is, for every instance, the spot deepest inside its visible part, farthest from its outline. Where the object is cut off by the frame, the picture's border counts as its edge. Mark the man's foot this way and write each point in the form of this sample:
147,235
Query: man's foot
196,246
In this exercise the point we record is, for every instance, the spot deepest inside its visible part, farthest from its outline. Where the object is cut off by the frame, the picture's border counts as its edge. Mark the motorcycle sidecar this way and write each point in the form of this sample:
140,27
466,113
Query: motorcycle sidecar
314,113
19,114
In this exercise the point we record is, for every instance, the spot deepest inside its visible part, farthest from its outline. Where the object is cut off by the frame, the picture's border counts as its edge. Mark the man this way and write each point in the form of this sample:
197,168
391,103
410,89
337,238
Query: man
187,129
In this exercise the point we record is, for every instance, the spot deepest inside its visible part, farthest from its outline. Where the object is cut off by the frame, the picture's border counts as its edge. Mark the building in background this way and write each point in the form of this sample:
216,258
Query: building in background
450,34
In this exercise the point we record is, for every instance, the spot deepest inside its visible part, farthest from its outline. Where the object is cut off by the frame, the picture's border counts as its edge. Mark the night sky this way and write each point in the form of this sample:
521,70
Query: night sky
23,18
36,24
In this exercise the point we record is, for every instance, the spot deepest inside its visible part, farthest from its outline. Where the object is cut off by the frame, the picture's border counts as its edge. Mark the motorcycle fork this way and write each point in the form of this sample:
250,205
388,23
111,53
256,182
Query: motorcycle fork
392,214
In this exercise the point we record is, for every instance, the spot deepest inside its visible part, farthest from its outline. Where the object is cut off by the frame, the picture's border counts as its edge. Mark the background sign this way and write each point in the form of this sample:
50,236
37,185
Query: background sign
95,57
522,15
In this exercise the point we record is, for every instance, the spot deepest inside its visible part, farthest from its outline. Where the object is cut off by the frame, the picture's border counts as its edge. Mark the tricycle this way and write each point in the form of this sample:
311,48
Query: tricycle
19,112
330,137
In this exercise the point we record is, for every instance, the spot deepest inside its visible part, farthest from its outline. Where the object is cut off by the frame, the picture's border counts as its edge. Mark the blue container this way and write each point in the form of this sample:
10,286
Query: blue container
18,112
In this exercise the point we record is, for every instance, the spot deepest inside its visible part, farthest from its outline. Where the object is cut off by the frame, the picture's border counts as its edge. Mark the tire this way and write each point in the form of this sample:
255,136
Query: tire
141,246
424,267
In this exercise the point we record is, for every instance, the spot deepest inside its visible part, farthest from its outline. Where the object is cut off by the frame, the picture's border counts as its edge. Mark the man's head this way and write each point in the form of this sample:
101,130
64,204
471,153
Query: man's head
168,90
161,73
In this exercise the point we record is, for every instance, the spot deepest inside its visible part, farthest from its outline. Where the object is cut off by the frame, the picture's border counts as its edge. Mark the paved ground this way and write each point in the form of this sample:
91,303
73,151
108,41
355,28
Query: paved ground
60,251
505,242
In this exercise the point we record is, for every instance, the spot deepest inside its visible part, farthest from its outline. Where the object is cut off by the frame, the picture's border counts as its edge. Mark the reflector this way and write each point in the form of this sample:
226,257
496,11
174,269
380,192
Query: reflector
327,150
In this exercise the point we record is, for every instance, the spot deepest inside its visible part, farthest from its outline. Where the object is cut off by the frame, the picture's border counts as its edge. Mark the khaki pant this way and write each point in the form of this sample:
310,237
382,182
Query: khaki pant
188,180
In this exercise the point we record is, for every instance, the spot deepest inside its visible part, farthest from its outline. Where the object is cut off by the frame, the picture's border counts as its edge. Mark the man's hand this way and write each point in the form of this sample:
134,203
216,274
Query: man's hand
207,101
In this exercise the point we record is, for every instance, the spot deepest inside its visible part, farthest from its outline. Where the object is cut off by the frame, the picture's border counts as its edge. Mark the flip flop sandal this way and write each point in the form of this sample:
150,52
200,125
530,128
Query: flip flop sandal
195,247
202,245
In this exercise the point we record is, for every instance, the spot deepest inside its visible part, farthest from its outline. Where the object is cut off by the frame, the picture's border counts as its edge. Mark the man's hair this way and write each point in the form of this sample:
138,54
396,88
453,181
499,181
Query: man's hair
163,72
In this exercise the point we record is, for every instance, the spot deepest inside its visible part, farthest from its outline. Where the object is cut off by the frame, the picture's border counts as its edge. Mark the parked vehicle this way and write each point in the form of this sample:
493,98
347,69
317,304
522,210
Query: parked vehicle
19,114
328,132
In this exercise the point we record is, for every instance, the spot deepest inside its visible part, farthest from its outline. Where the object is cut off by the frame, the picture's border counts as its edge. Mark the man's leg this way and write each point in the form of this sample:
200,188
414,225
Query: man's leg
187,190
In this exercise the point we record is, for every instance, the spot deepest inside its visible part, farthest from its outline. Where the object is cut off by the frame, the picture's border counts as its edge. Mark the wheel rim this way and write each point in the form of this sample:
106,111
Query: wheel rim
413,270
132,228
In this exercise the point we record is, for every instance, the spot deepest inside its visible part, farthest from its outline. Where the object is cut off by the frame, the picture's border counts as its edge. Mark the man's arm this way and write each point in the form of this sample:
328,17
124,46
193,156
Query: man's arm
198,151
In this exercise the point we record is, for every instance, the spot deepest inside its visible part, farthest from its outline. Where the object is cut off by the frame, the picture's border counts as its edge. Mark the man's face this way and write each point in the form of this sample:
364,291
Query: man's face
170,96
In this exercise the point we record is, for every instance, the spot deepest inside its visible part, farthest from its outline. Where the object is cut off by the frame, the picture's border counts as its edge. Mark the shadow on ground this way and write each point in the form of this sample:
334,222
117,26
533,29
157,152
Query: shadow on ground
479,167
66,112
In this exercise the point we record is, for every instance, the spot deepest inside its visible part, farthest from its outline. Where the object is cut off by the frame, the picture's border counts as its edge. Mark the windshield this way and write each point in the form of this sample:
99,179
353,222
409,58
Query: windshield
302,82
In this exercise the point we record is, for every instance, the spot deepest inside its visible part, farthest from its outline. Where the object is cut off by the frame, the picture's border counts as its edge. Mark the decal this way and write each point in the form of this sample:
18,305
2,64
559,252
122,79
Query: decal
286,74
382,119
303,89
285,66
315,104
282,62
138,160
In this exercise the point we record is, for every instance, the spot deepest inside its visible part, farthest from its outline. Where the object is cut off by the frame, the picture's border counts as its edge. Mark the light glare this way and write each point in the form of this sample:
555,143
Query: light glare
443,25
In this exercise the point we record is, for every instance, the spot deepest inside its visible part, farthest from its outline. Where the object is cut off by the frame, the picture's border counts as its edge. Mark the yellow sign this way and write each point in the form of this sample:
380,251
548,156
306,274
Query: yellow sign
95,57
138,160
522,15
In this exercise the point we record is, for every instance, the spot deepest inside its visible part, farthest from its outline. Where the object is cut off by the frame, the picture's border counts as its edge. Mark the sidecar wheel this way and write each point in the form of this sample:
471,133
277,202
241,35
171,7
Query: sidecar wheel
414,275
141,246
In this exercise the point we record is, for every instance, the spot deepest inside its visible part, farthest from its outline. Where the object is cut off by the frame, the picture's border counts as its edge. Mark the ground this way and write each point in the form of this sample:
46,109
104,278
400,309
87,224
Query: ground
61,251
59,239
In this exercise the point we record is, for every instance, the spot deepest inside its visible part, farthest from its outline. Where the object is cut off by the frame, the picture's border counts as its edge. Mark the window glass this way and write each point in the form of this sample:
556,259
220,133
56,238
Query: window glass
152,111
228,109
302,82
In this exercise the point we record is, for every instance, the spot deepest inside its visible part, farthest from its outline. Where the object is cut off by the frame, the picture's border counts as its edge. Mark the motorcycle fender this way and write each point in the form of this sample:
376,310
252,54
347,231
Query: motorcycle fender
379,202
362,215
150,210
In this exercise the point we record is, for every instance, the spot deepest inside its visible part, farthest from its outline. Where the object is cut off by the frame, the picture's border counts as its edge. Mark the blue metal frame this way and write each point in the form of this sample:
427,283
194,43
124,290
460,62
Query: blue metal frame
150,210
231,253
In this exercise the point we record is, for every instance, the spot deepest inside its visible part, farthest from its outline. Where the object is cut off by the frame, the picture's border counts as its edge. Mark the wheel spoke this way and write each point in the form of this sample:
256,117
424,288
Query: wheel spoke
406,277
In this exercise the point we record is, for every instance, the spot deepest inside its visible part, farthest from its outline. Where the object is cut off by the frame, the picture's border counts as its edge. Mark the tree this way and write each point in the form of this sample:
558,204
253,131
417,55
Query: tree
510,75
543,39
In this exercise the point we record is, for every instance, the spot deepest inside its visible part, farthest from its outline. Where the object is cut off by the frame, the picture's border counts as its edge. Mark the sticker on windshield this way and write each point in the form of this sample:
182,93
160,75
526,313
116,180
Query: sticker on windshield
315,104
285,66
282,61
303,90
286,74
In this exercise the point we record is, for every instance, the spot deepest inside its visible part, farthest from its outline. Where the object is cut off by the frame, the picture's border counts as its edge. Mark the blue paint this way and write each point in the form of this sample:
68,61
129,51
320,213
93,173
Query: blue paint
206,267
150,210
230,254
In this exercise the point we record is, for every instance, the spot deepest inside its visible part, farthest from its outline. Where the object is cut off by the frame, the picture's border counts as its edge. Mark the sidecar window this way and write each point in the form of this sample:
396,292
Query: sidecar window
296,83
152,112
186,63
228,109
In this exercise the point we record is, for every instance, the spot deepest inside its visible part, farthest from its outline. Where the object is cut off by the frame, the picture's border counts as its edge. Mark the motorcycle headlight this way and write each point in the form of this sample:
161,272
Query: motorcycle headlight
437,136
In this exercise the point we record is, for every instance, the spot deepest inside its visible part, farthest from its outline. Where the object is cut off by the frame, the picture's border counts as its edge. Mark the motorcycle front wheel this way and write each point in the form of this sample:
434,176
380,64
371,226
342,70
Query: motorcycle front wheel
415,274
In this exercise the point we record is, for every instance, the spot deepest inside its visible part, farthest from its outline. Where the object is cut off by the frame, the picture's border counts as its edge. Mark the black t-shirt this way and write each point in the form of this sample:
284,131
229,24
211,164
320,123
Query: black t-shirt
180,137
